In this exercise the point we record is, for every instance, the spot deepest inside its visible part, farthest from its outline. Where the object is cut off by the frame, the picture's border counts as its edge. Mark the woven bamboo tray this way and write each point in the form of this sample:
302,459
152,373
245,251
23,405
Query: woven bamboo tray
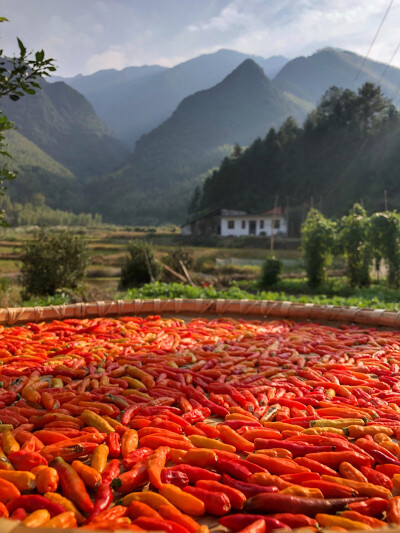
266,309
244,308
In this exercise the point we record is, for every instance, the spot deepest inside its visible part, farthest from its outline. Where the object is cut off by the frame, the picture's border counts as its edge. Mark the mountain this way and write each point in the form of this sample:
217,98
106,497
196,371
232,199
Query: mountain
309,77
39,173
106,80
158,178
61,122
134,106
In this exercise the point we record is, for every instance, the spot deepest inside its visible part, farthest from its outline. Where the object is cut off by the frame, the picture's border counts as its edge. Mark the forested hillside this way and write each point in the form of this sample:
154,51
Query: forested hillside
156,183
347,151
62,123
40,173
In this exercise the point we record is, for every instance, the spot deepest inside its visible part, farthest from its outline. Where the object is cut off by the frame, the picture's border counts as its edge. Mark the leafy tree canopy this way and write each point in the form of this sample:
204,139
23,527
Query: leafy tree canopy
19,76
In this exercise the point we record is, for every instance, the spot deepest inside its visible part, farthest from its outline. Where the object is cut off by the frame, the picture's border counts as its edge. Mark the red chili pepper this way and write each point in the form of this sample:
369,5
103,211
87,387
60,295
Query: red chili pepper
371,507
33,502
194,473
271,503
217,503
104,498
248,489
174,477
134,457
113,442
72,486
234,469
236,522
295,448
236,497
130,480
147,523
111,471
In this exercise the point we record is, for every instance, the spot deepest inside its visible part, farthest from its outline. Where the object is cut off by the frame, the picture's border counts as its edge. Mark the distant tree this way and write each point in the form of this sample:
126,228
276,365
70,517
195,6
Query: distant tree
317,241
19,76
385,240
140,265
195,202
354,240
52,262
237,151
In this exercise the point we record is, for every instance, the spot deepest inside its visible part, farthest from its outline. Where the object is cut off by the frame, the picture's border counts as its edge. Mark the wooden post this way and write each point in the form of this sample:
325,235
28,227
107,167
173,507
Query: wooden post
272,223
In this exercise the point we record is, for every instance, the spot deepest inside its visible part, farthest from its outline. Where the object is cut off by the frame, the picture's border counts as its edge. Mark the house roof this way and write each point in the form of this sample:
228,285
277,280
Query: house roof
277,212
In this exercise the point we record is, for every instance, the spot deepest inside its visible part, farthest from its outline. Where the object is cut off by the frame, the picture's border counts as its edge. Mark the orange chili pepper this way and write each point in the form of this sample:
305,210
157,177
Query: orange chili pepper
129,442
171,513
232,437
155,464
327,520
47,480
185,502
90,476
276,465
348,471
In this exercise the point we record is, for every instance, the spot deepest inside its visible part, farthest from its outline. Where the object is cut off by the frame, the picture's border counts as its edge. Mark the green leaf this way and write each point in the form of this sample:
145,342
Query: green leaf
22,48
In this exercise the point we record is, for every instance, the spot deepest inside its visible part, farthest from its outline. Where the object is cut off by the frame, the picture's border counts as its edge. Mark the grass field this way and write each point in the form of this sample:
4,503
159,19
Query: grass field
232,273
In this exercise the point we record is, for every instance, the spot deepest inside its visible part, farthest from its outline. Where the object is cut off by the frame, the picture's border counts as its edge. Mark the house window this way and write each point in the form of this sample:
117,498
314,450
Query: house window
243,224
231,224
261,224
277,224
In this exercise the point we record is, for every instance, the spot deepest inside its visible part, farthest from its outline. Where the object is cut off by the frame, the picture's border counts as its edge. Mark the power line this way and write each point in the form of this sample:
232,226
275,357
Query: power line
374,39
364,142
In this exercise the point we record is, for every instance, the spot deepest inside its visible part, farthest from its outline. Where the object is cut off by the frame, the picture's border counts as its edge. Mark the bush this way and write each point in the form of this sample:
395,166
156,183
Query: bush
355,244
51,262
140,265
174,259
271,271
317,241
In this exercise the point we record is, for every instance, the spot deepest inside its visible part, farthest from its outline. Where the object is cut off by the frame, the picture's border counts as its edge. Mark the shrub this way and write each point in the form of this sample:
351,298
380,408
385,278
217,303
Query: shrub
271,271
355,244
317,241
51,262
140,265
174,259
385,240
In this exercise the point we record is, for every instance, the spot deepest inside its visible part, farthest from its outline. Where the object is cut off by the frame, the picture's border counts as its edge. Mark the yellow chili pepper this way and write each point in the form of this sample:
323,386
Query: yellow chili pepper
63,521
328,520
150,498
99,458
94,420
9,443
213,444
338,423
37,518
67,504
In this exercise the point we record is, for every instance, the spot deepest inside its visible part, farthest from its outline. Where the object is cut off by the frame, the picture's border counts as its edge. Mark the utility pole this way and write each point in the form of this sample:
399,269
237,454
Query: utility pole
272,223
311,202
386,202
287,216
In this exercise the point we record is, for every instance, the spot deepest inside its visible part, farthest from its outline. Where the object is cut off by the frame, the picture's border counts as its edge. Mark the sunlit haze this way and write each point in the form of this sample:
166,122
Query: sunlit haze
89,35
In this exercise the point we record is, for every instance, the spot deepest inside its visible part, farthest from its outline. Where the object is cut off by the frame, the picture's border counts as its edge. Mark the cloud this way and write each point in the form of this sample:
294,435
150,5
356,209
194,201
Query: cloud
89,35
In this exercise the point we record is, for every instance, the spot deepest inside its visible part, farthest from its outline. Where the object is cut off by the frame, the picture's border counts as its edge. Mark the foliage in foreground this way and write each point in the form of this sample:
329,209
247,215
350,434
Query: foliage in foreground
51,262
140,265
368,297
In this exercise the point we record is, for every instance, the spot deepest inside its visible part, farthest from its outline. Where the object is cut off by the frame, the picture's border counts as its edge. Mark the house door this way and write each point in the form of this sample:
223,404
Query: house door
252,227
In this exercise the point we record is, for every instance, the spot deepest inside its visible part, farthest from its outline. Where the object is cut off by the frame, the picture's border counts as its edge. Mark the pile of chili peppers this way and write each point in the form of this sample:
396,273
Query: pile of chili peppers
156,424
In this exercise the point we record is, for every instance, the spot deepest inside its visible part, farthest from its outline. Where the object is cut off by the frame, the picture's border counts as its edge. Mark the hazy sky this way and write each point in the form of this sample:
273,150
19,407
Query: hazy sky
89,35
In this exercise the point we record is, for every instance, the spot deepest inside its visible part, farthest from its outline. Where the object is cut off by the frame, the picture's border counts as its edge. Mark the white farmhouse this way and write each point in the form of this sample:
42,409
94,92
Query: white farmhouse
264,224
229,223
